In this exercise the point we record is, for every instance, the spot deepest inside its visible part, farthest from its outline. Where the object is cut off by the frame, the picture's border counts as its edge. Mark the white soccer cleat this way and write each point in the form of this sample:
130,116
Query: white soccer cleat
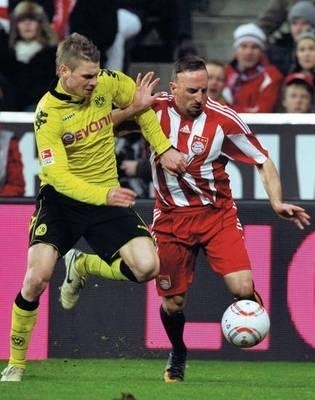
73,282
12,374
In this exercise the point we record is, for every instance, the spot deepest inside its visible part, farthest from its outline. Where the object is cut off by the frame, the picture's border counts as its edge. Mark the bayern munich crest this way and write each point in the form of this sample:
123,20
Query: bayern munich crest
199,144
164,282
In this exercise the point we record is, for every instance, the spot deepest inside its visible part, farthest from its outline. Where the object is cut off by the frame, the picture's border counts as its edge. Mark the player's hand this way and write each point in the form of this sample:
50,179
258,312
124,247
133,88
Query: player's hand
293,213
122,197
144,96
173,162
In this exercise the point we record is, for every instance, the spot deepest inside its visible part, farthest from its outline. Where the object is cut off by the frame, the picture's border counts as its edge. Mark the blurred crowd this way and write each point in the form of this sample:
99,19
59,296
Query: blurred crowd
30,32
272,68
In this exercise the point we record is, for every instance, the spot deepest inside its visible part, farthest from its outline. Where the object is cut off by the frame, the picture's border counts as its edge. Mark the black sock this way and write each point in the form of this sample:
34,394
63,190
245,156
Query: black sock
125,270
24,304
254,297
174,327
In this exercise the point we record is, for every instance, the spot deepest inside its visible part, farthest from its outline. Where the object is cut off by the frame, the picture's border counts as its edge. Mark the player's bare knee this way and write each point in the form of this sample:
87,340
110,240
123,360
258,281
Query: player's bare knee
147,269
144,276
173,304
34,284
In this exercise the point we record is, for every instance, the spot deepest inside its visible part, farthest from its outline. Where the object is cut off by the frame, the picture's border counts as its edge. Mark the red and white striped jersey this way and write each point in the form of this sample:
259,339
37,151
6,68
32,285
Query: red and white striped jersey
209,141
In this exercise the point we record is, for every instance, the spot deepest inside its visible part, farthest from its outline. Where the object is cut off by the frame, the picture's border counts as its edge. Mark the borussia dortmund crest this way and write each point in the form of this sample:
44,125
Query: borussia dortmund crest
41,230
99,101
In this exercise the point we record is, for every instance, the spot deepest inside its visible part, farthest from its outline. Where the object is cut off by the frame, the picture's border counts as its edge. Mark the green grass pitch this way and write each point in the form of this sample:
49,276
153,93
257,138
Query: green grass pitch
59,379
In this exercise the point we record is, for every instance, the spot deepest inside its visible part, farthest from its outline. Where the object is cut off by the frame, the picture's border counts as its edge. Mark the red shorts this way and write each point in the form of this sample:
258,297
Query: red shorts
181,233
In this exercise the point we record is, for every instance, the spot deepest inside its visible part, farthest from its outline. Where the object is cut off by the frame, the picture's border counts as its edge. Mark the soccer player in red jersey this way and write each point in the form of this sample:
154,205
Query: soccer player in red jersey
195,210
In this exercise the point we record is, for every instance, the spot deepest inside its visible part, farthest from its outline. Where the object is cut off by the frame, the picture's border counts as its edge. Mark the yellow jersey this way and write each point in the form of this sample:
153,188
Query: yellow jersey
75,138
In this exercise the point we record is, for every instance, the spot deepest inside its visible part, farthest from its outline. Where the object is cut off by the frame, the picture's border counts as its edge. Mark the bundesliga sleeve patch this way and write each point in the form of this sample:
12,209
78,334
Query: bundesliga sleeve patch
47,157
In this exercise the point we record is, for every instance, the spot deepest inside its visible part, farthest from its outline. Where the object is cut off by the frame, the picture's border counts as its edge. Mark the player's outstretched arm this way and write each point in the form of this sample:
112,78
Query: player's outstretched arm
271,180
171,160
296,214
143,98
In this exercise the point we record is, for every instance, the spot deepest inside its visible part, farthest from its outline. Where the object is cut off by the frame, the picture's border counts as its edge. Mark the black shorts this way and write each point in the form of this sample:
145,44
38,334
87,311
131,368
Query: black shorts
61,221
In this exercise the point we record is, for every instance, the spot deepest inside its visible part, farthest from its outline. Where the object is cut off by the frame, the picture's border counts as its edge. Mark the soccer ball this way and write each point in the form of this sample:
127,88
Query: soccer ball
245,323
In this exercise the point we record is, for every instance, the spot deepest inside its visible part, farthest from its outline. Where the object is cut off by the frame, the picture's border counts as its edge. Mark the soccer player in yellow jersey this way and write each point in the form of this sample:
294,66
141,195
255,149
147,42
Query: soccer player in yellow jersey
80,194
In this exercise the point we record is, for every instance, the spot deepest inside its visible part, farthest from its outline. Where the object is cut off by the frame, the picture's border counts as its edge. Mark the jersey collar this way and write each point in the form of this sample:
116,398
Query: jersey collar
57,91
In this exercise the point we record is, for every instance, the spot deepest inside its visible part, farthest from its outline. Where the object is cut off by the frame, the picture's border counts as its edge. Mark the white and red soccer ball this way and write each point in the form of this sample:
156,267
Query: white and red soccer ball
245,323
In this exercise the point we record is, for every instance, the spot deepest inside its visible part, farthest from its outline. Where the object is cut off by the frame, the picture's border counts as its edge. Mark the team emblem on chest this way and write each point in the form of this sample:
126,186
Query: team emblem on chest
198,144
99,101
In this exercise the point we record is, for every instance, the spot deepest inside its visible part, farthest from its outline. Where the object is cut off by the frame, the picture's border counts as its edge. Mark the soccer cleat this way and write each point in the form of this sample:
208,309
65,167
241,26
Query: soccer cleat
175,367
12,374
73,282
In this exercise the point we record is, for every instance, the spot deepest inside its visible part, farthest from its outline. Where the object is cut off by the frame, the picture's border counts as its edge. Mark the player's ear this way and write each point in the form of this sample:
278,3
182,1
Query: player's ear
172,86
63,70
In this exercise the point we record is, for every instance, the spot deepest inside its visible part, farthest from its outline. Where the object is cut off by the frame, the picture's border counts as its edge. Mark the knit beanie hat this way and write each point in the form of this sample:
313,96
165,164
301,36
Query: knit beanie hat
308,34
249,33
304,10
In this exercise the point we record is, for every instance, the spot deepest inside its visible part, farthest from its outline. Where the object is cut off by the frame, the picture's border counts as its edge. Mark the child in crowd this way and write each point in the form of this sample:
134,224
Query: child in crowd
297,93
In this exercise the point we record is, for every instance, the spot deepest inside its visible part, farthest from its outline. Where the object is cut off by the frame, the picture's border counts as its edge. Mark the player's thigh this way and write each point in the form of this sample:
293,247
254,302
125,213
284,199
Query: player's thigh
177,264
116,227
54,222
226,251
140,253
176,250
41,263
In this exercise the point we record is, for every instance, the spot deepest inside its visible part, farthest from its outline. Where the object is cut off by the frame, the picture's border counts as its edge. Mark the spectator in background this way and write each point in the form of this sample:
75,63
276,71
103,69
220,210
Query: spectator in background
98,21
113,25
252,83
63,9
48,6
57,11
304,59
133,165
216,80
7,95
297,93
32,47
172,21
274,19
4,15
283,21
129,25
184,33
11,168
